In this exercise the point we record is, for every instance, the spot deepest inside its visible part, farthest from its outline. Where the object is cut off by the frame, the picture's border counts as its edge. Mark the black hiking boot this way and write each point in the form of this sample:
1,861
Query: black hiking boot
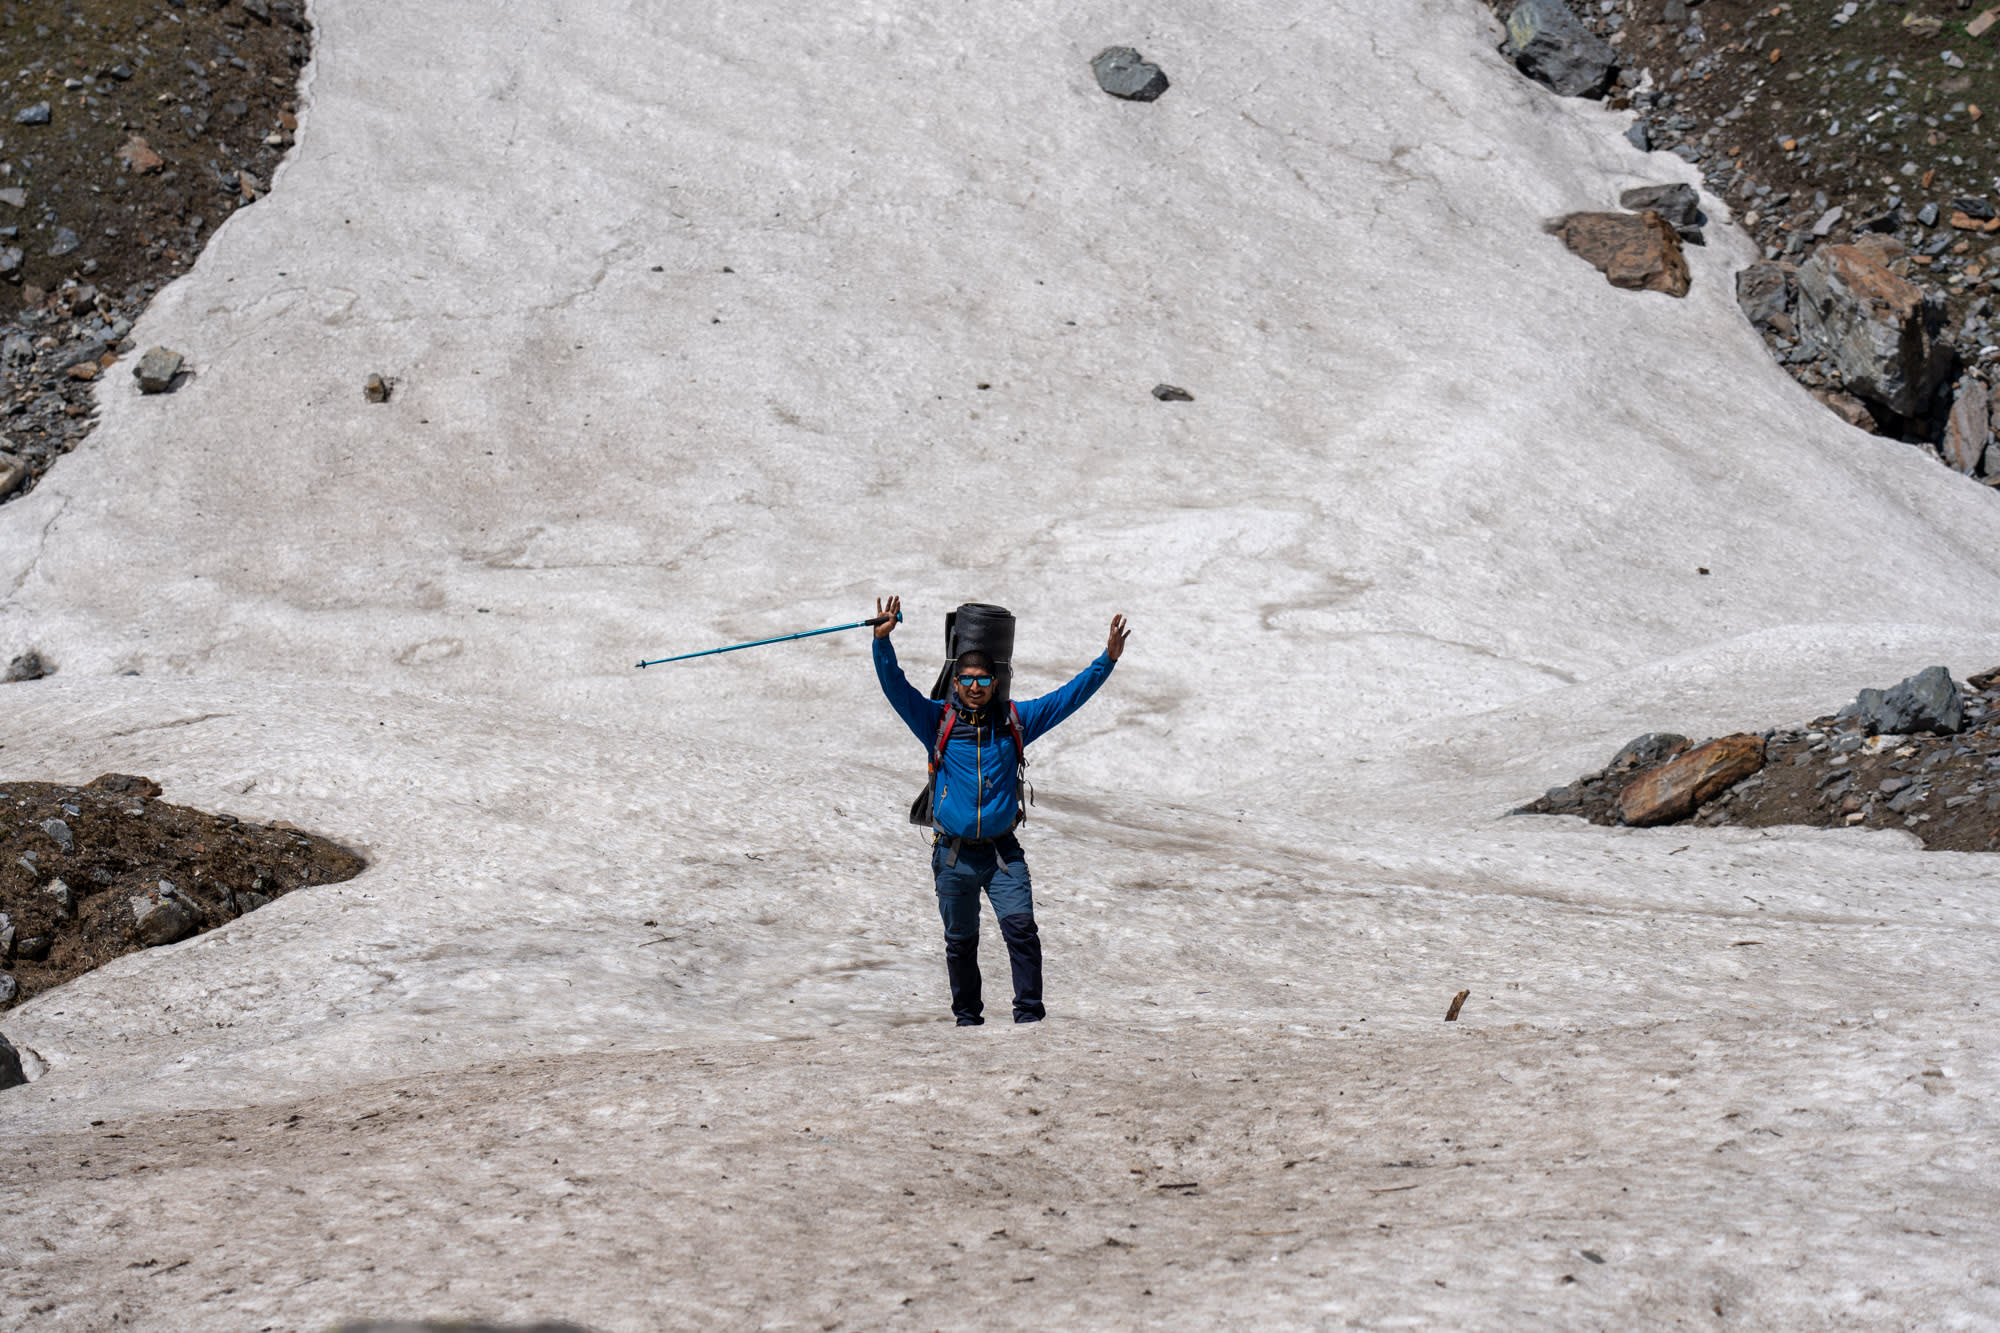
1024,951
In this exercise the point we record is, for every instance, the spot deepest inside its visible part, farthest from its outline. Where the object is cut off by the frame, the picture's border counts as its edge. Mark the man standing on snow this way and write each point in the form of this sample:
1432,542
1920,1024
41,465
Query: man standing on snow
976,802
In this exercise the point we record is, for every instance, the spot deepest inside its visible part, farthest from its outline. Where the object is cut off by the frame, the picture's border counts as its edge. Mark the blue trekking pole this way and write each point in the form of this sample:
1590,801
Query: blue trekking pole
782,638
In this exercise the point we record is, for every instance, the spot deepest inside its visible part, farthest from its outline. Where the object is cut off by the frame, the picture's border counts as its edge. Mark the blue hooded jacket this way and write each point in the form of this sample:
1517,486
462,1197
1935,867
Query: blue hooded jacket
975,796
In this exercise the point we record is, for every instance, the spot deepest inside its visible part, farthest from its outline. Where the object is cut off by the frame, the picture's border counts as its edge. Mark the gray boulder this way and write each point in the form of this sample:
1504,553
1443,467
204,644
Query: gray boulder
1122,72
11,1073
1882,333
30,665
90,349
1678,204
156,370
1866,708
38,114
1909,799
1765,292
162,917
1646,751
1969,428
1927,701
58,831
1551,46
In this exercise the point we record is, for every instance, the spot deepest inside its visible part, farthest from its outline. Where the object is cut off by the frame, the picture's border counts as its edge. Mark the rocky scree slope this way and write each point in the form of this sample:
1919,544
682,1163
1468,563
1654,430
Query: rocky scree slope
131,129
1922,756
1825,124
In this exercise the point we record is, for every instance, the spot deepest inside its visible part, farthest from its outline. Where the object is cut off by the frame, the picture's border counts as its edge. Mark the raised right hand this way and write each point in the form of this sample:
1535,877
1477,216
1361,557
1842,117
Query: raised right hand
893,609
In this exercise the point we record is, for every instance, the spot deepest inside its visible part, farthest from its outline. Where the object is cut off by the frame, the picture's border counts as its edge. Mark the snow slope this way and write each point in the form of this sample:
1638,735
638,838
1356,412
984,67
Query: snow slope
692,307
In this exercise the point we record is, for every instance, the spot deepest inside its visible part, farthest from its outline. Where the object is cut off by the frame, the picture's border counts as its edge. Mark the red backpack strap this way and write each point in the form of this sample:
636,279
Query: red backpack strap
1014,726
944,734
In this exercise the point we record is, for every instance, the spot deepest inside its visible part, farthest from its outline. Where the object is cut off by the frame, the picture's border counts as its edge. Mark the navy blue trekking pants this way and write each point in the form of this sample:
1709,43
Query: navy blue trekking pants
998,868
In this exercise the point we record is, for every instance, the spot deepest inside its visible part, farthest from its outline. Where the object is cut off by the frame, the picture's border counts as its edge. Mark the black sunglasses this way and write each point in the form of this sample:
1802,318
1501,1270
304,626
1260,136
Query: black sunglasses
975,682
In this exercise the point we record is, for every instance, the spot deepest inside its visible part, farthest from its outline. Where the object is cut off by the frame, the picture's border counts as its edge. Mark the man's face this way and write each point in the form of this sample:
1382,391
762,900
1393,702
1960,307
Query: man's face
975,686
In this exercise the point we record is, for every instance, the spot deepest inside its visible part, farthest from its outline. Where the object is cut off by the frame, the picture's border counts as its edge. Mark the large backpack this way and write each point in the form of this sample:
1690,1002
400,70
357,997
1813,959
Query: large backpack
1024,795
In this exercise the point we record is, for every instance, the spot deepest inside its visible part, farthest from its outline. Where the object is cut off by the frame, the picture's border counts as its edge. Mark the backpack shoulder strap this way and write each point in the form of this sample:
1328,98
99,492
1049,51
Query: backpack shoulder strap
1014,726
944,734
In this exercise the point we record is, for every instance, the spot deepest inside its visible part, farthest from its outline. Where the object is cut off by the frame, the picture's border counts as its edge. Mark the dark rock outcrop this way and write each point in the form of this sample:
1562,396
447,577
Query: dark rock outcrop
1678,204
162,916
1547,43
1767,293
1881,333
11,1073
1927,701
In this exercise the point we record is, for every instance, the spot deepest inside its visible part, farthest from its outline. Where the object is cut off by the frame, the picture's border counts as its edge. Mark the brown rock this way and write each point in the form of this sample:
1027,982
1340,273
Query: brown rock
138,156
83,370
1849,409
1965,222
1969,427
1885,248
1676,788
1636,251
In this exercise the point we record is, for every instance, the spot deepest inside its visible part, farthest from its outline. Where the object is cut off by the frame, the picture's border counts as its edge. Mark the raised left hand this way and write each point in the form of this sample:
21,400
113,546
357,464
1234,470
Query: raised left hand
1114,647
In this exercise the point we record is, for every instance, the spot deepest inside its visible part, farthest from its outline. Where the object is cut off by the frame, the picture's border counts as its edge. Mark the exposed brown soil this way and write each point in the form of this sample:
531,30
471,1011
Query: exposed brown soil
1945,789
123,843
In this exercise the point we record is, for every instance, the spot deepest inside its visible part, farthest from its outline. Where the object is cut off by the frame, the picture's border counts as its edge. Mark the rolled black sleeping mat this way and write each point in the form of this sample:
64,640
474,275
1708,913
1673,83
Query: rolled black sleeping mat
981,626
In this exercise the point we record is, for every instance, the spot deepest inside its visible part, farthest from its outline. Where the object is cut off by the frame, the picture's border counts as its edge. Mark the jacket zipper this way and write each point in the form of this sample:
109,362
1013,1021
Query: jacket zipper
979,803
